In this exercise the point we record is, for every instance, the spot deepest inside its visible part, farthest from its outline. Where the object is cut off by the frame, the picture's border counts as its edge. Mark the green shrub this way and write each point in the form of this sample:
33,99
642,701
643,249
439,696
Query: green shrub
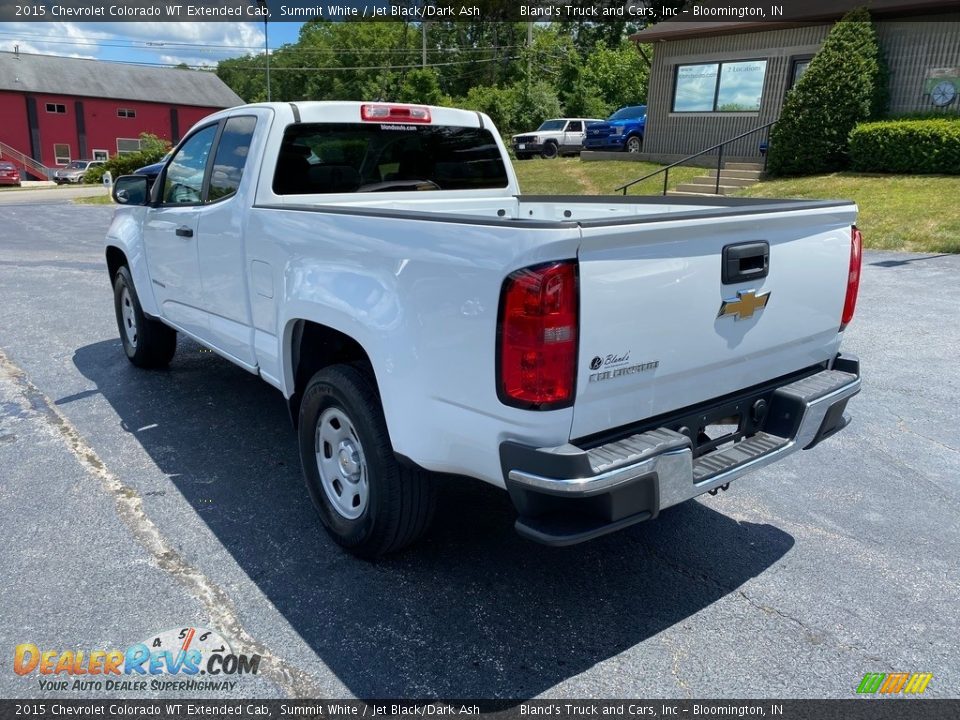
152,149
907,146
845,84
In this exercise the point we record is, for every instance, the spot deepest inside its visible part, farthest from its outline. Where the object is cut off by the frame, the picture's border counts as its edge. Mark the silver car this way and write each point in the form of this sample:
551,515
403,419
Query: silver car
73,172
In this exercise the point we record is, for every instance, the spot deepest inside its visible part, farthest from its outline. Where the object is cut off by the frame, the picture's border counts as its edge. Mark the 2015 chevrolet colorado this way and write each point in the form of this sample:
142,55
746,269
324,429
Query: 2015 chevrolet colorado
599,358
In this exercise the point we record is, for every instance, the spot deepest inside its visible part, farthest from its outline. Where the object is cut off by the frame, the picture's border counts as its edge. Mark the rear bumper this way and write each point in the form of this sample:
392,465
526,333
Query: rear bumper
569,494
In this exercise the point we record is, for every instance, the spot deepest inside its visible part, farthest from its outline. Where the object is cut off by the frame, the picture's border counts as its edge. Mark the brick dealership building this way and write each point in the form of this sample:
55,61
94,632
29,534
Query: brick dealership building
56,109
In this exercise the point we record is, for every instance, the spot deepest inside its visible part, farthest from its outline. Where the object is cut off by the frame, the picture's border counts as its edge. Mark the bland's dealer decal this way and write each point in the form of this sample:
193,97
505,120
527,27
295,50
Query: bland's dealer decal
185,652
617,365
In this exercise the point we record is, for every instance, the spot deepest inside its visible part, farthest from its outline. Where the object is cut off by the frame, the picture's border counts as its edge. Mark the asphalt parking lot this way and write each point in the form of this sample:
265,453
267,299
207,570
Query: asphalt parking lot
134,502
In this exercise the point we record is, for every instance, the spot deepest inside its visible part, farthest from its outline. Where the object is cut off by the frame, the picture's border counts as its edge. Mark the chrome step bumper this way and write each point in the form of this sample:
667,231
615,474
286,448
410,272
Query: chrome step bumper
568,494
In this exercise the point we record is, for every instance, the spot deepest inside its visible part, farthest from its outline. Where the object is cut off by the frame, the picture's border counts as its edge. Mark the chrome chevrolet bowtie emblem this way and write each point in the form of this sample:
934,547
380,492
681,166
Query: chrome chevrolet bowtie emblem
744,305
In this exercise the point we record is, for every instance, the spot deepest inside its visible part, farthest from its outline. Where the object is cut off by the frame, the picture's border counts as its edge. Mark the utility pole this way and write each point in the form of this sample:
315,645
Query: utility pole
262,4
529,51
423,33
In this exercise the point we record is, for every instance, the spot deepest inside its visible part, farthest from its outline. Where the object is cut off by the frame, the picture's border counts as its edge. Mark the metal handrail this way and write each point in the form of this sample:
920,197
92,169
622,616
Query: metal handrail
36,168
666,168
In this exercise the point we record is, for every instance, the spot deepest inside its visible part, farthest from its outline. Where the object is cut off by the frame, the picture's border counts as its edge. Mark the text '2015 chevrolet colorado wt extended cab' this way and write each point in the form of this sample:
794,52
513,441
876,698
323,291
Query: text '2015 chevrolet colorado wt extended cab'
601,359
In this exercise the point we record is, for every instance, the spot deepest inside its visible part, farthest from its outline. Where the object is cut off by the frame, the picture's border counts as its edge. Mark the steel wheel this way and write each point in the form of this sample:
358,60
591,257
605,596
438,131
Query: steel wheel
129,317
341,464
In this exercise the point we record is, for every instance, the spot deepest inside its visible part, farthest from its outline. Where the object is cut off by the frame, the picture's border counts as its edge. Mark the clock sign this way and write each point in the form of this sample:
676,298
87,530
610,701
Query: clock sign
943,93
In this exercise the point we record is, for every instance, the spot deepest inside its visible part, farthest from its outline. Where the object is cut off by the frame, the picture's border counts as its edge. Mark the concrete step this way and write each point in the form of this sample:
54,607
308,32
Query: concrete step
747,174
743,166
707,189
690,194
724,180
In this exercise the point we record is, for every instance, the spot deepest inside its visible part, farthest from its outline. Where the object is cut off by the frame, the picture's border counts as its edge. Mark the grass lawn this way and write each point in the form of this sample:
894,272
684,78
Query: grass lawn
570,176
897,212
94,200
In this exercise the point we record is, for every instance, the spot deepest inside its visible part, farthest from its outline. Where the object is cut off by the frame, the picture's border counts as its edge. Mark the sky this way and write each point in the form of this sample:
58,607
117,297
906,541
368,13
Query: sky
166,43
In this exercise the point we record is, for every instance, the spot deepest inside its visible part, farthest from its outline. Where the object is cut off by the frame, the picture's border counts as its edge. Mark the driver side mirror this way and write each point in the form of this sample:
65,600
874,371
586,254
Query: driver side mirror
130,190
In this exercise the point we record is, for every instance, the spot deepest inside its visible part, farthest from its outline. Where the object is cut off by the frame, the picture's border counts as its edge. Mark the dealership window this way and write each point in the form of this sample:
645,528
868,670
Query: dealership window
799,68
126,112
57,108
61,153
719,87
125,146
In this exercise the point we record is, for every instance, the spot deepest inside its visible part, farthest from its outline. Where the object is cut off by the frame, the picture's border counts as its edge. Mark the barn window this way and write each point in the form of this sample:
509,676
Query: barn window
61,153
57,108
126,113
126,146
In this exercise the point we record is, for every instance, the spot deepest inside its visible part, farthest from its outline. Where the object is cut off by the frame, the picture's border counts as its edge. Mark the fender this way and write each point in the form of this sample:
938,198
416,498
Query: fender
125,235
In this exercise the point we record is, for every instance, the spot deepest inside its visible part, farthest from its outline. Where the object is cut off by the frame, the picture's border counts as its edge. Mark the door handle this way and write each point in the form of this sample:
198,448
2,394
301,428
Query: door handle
185,232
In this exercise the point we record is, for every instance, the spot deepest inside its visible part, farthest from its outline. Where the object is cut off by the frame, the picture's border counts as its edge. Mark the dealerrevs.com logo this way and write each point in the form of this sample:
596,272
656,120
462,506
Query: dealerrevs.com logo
198,659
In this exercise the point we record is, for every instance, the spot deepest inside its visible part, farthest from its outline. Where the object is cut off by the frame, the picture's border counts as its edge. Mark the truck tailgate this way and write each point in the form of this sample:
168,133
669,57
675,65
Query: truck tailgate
652,339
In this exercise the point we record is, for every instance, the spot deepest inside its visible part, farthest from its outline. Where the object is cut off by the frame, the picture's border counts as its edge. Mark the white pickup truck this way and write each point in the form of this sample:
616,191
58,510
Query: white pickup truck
600,358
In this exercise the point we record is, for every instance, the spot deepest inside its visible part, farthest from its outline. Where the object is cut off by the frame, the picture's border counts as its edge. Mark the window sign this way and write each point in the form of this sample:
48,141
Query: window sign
696,87
741,86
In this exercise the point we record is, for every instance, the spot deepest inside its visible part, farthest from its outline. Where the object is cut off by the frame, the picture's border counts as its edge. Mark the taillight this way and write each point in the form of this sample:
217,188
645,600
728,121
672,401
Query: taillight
853,277
537,339
395,113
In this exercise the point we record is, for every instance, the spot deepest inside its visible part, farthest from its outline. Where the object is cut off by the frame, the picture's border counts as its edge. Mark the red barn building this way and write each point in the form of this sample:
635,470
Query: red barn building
56,109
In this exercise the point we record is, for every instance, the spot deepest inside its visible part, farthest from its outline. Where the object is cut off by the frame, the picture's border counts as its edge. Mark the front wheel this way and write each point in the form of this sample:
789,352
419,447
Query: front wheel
148,343
368,503
634,144
550,151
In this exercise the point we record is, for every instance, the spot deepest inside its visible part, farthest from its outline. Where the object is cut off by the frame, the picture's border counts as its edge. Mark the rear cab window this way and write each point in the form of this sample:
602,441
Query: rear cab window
324,158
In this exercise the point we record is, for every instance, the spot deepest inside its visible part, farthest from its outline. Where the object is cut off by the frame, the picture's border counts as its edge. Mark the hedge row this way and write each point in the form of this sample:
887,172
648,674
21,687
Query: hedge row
152,150
907,146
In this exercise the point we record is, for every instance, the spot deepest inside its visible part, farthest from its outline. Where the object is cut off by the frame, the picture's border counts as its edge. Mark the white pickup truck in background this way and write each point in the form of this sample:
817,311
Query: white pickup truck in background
599,358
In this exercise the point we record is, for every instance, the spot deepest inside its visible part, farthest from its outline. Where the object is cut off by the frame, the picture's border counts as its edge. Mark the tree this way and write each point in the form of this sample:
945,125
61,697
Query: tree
620,75
843,85
422,86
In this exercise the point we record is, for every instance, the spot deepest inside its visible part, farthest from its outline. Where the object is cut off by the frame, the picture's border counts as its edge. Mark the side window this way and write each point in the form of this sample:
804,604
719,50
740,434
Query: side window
575,126
231,157
184,180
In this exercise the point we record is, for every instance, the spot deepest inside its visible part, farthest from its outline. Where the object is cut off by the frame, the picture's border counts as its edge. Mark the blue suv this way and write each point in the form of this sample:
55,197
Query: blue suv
621,131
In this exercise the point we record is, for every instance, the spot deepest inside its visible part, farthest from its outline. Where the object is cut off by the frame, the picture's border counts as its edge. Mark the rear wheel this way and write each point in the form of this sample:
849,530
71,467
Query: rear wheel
633,144
369,503
148,343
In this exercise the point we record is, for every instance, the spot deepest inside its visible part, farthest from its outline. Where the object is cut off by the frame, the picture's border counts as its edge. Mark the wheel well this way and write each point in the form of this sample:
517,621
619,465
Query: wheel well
115,259
314,347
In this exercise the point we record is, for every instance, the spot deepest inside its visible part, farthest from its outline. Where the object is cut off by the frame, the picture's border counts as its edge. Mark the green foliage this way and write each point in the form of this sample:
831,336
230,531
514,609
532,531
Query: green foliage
620,75
422,86
844,85
152,149
536,102
578,69
907,146
499,103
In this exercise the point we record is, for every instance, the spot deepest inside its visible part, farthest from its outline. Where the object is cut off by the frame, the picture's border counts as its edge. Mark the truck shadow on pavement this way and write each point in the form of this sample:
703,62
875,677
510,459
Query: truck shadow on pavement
473,611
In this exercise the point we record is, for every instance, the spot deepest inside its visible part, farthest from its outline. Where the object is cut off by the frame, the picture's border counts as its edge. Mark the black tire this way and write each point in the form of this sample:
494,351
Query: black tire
550,151
634,144
148,343
400,500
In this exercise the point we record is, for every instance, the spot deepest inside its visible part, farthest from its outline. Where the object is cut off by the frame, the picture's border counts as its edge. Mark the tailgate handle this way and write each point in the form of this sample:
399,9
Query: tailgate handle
745,262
